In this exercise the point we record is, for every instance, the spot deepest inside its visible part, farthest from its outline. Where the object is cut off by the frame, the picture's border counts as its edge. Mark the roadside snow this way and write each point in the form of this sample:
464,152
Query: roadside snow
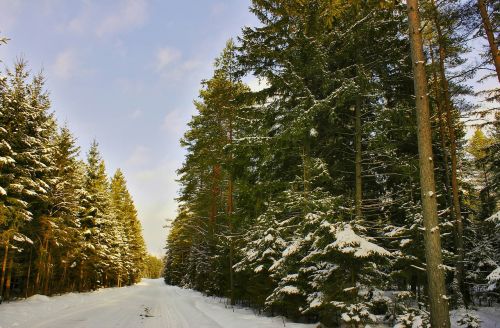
150,303
489,316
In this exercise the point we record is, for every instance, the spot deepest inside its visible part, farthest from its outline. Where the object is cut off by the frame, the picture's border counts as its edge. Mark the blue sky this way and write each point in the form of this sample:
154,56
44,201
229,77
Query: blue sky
125,72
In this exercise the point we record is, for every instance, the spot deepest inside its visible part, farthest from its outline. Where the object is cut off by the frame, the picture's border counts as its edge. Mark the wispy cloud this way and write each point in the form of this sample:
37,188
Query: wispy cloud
105,21
130,14
189,65
141,155
174,122
130,86
166,56
136,113
218,8
9,14
66,64
170,63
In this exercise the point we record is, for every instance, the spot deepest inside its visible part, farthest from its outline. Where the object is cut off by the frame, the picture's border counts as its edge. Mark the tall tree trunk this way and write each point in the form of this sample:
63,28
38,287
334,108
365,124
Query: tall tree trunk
9,277
458,283
306,170
28,274
442,138
80,280
63,278
435,276
357,141
488,29
216,171
230,215
47,273
4,266
41,263
486,182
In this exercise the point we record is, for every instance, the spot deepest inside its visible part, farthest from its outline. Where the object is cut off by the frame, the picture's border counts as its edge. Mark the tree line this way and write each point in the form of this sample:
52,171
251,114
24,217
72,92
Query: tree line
323,191
64,224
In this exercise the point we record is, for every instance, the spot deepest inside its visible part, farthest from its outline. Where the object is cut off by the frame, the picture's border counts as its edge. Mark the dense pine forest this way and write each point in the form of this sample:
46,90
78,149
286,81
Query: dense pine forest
64,224
347,190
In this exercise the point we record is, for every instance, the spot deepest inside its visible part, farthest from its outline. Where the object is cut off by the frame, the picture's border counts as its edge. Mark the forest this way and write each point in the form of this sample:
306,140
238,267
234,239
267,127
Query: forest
64,224
360,183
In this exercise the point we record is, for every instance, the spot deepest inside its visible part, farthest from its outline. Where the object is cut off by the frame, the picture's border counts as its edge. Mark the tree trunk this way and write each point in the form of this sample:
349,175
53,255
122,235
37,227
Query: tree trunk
488,29
442,137
306,172
230,214
28,275
231,274
80,283
4,266
357,142
486,182
216,171
41,263
437,291
458,283
9,276
63,278
47,274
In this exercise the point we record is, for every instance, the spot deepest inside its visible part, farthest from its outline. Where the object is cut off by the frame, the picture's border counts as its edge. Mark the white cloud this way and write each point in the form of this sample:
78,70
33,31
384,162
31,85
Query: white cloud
130,86
49,7
217,9
189,65
82,23
9,14
131,13
141,155
166,56
136,113
66,64
104,21
175,122
180,71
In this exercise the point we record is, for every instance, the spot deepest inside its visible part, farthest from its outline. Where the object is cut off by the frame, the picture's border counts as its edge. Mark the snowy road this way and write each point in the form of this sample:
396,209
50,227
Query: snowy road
151,303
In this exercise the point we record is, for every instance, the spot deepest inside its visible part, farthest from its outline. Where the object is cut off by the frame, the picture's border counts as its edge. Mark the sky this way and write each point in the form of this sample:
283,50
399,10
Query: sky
126,72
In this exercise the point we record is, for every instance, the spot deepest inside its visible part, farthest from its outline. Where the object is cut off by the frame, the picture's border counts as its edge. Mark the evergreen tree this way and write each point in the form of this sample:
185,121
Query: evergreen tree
97,218
437,289
129,245
27,128
60,228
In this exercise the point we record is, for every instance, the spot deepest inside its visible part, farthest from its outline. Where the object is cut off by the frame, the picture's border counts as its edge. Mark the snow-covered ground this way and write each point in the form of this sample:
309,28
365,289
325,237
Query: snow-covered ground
489,316
150,303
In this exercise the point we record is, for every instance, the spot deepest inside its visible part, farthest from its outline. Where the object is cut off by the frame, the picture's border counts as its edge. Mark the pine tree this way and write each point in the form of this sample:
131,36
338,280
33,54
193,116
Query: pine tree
96,218
129,245
489,31
66,193
57,220
208,176
437,292
27,128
